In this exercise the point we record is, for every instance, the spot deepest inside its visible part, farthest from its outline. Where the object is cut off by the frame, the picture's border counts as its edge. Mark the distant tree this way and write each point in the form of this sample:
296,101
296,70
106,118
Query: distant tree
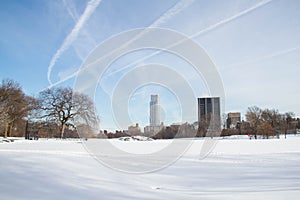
246,128
272,117
3,117
253,116
224,120
265,129
49,129
228,132
186,130
66,107
202,128
15,105
286,122
280,123
289,116
116,134
86,131
168,132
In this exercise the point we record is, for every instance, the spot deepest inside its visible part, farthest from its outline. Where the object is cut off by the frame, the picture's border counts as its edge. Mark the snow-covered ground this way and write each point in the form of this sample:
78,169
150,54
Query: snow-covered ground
237,168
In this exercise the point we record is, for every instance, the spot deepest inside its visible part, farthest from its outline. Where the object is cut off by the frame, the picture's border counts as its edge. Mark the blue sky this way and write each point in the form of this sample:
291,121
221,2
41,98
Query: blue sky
255,46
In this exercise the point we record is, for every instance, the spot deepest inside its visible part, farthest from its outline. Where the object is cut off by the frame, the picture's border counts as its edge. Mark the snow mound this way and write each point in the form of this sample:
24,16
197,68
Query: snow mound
237,137
136,138
6,140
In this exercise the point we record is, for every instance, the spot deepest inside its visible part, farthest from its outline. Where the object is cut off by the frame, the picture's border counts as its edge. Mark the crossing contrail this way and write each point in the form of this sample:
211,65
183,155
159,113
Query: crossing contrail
74,15
90,8
71,10
164,17
170,13
209,28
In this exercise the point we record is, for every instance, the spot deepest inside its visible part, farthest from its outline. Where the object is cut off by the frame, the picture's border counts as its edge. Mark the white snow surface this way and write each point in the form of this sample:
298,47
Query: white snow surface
237,168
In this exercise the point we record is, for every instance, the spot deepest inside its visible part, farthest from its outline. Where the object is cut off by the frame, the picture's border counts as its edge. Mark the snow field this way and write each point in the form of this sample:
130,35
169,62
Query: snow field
237,168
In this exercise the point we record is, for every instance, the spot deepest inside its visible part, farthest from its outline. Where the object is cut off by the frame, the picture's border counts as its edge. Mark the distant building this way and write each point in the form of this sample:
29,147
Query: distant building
233,119
154,110
134,130
155,124
209,114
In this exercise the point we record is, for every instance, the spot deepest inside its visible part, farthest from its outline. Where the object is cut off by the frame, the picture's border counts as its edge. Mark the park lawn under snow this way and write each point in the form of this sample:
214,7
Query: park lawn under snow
236,168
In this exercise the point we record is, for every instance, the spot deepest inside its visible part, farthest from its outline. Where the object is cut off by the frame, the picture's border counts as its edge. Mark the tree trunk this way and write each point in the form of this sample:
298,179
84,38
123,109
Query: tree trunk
26,131
5,130
10,130
285,134
62,130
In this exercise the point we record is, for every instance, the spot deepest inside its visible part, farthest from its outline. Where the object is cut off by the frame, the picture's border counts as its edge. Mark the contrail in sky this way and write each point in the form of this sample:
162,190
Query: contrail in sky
177,8
90,8
210,28
75,16
72,12
233,17
268,56
170,13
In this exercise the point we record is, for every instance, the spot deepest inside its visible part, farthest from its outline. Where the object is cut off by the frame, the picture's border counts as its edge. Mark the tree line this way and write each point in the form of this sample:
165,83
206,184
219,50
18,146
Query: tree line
268,122
53,113
259,122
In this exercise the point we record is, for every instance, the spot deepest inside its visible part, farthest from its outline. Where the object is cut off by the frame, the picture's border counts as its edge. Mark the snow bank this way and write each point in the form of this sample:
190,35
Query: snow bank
136,138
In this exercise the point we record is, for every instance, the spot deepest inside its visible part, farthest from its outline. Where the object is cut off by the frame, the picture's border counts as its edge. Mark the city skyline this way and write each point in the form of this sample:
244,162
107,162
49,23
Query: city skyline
254,45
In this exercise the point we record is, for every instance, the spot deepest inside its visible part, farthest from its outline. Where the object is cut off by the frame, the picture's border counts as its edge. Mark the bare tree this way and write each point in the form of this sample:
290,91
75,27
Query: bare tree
273,117
202,128
3,117
253,116
15,105
279,122
286,120
224,120
265,129
66,107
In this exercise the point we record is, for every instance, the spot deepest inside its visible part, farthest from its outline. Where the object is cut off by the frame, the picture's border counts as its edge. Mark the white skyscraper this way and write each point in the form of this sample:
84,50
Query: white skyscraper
154,110
155,125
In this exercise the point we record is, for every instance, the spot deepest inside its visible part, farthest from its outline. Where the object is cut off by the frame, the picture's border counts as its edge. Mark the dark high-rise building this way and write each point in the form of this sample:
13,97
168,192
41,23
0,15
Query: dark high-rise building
209,113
